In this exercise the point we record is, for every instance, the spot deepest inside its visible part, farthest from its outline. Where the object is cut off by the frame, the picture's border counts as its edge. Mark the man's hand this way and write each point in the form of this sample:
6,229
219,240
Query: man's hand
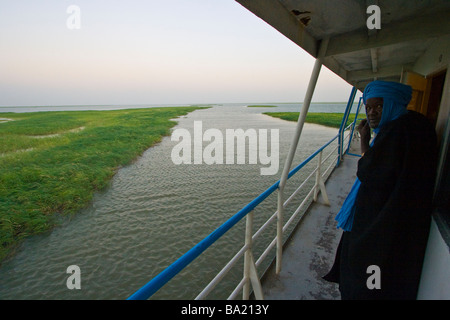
364,132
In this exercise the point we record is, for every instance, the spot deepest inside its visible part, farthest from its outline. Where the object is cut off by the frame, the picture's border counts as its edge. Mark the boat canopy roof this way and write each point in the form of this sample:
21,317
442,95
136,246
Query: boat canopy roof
356,53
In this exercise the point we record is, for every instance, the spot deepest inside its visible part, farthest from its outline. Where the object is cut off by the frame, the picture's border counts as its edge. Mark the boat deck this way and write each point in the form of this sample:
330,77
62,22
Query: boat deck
309,253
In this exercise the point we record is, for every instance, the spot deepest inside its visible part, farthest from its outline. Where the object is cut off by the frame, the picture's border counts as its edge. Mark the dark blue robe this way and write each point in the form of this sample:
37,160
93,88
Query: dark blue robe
393,213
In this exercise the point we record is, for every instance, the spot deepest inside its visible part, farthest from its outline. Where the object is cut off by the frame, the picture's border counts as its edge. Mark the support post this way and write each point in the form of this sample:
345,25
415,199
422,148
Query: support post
300,122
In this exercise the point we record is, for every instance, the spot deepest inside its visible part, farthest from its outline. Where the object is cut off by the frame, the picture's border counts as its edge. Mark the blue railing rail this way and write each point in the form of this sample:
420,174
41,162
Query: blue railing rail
358,109
343,127
166,275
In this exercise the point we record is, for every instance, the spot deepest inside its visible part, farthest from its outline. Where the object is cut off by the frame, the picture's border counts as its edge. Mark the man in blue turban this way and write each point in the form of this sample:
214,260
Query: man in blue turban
386,216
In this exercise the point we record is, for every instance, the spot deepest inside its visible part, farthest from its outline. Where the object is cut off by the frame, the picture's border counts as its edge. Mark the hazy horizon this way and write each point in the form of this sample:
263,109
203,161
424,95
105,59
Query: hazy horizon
150,52
177,104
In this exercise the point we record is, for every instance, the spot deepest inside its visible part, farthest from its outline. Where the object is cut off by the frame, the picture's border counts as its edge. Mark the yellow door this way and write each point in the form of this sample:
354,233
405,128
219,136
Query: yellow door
419,100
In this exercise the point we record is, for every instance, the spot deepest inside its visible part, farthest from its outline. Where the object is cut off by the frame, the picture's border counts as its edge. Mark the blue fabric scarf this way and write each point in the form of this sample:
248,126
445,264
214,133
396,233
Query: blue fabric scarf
396,97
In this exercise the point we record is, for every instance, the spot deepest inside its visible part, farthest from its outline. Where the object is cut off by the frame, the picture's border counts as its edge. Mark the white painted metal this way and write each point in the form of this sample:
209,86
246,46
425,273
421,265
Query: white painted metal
435,280
301,120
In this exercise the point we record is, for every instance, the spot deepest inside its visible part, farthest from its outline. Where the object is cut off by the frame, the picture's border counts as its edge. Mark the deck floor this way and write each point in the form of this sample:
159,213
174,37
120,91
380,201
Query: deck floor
309,253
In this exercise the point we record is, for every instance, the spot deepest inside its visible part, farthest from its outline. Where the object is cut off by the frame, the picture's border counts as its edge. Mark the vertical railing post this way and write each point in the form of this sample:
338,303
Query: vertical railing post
316,185
250,273
320,185
248,243
279,252
298,130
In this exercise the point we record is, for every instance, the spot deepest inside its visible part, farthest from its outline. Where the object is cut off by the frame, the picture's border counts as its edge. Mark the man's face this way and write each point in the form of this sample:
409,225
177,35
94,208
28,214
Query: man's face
374,109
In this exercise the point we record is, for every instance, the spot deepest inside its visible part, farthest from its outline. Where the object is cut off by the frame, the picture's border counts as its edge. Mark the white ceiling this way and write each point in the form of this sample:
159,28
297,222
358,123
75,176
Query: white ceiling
355,53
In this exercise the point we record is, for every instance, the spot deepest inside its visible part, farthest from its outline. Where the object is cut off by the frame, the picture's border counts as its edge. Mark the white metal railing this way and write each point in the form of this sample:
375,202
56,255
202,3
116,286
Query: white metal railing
250,265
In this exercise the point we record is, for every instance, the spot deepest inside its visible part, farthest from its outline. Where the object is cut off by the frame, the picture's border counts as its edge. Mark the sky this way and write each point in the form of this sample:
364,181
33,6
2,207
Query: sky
150,52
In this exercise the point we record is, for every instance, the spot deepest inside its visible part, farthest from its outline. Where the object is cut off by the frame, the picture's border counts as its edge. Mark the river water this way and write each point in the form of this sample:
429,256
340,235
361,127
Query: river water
154,211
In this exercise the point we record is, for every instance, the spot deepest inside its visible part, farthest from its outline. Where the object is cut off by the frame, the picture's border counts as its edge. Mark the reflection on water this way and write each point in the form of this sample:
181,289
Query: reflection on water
151,214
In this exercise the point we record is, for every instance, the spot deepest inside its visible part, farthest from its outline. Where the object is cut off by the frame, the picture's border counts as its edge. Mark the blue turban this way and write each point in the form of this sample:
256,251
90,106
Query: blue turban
396,97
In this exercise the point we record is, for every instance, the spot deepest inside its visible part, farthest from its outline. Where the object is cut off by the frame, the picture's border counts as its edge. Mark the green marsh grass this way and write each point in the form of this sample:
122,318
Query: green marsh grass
261,106
51,163
326,119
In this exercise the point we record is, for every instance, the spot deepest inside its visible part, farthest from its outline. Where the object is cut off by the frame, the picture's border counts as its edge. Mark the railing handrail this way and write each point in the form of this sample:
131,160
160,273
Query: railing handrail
171,271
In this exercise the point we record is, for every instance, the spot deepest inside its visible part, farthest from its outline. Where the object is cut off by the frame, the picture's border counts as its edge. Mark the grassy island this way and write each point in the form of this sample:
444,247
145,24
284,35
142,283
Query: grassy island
261,106
325,119
51,163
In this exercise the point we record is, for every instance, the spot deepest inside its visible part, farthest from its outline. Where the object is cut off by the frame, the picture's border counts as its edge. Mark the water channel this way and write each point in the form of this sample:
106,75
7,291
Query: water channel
152,212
